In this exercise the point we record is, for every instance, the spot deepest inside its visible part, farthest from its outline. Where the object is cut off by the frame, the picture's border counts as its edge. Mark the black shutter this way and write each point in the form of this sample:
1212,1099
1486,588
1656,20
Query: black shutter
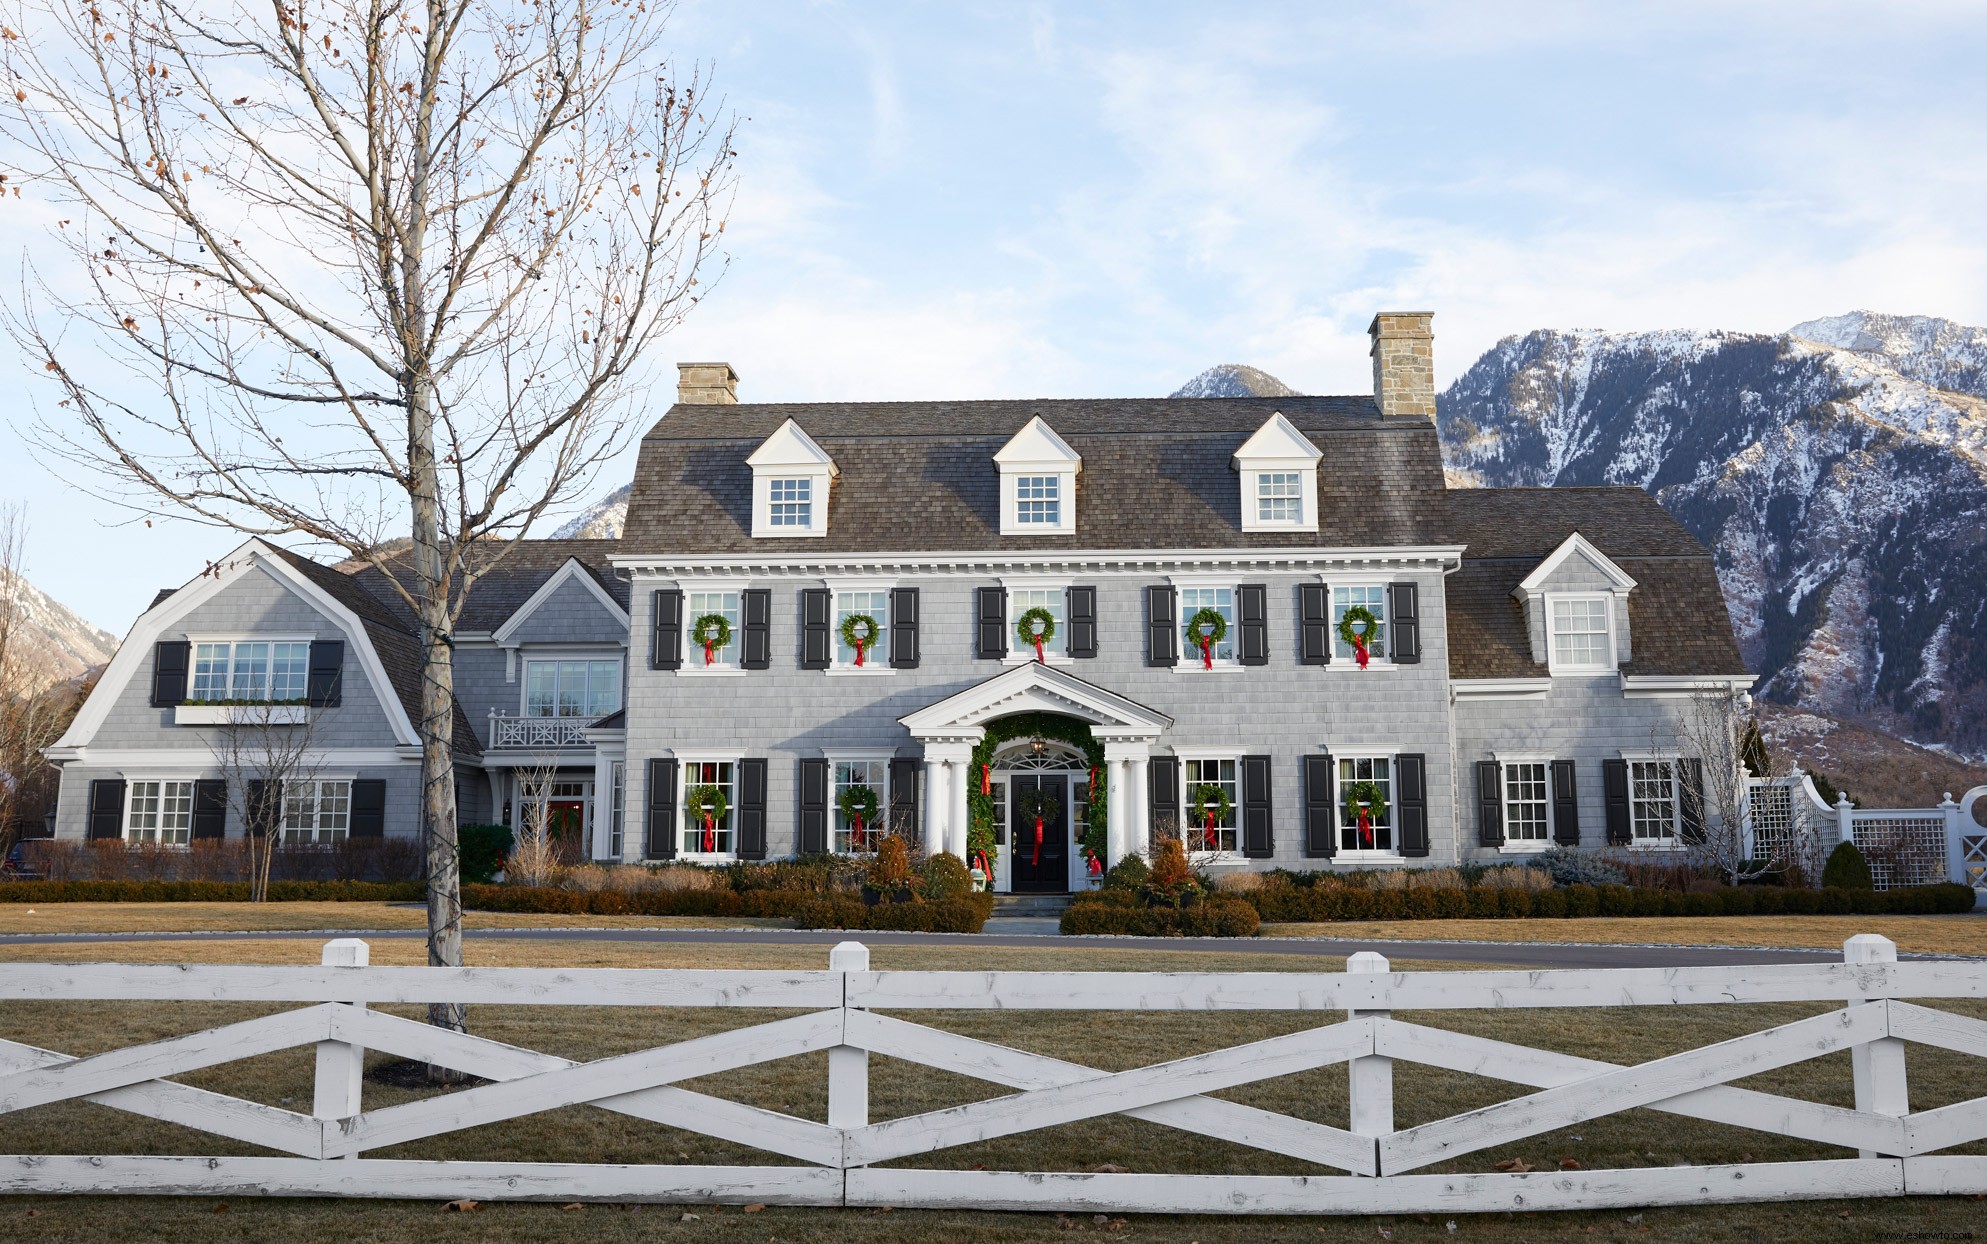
326,685
904,798
369,808
1163,803
170,658
1411,801
1083,622
1690,783
263,807
107,808
1252,616
990,623
817,648
1565,805
904,628
756,615
659,829
1404,608
813,806
1258,827
1314,609
666,642
1489,803
1320,812
210,808
752,809
1614,784
1162,626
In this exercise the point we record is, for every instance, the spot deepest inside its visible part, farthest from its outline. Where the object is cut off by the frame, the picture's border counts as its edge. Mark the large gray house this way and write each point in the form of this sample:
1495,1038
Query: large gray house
1514,677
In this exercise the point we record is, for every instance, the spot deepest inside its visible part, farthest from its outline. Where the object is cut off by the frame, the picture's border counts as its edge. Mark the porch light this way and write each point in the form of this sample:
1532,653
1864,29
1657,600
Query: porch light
1038,748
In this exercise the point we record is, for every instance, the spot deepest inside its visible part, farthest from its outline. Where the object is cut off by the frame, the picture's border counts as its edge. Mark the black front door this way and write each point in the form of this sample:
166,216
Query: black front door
1038,863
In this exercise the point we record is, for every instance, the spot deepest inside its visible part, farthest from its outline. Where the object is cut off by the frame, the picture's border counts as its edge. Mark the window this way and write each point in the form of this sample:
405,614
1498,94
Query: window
316,811
1279,497
617,824
1375,600
1653,801
697,839
160,812
1580,638
1194,829
791,503
1525,803
1020,601
1038,500
724,604
874,774
571,688
875,603
1378,770
1192,601
258,669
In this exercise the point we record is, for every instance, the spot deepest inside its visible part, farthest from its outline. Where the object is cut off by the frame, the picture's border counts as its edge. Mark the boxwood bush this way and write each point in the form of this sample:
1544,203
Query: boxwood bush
1125,913
965,913
210,892
1322,903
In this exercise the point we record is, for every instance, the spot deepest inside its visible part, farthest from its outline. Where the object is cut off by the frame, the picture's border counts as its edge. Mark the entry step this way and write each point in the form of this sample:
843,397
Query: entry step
1023,906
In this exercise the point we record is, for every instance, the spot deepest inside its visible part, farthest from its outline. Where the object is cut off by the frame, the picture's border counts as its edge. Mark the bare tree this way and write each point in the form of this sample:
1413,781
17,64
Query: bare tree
359,266
534,855
269,762
1714,731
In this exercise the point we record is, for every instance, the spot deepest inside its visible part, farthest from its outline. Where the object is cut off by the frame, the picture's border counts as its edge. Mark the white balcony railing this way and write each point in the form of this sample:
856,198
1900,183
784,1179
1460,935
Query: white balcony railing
537,733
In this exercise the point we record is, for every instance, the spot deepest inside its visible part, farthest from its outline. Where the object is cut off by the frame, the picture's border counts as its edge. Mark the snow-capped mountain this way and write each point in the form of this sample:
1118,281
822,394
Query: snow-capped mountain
1838,471
1234,380
602,521
49,642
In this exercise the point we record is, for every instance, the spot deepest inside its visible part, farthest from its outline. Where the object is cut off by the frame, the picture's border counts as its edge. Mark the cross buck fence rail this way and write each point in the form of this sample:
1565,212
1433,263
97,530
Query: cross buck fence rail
841,1162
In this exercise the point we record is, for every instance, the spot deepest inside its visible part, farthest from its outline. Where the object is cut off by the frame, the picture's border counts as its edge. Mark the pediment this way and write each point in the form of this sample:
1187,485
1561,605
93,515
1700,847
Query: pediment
1038,445
1278,440
1035,687
791,446
570,573
1575,546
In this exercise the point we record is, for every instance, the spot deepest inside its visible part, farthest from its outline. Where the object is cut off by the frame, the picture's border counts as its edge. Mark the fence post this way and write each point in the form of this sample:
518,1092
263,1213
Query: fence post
848,1067
341,1066
1955,849
1845,820
1370,1077
1878,1067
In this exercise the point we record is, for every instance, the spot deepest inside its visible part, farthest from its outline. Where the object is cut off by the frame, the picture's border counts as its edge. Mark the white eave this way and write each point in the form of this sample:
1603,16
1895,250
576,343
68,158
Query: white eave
994,561
1575,544
1672,686
1278,442
1037,445
1034,687
791,446
1500,688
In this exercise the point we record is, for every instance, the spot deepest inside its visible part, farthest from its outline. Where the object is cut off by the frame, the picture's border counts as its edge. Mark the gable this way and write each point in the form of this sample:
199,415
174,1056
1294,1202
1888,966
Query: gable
570,607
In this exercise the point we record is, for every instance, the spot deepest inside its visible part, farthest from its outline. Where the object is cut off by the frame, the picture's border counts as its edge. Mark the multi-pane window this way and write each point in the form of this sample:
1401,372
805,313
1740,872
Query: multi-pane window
874,774
1051,599
571,688
1525,802
1038,500
160,812
1374,598
877,605
316,811
1580,634
1279,497
1219,599
617,824
724,604
715,839
792,503
1194,827
1652,800
1379,834
250,670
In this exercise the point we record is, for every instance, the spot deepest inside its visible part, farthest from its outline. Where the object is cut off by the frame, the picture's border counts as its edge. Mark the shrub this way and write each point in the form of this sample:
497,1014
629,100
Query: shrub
1568,867
209,892
1846,869
1130,873
1120,913
966,914
1514,877
890,869
1240,882
1170,874
480,851
819,874
946,877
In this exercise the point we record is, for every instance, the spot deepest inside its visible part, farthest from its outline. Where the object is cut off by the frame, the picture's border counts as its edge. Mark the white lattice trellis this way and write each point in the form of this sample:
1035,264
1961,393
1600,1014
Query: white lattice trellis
1903,849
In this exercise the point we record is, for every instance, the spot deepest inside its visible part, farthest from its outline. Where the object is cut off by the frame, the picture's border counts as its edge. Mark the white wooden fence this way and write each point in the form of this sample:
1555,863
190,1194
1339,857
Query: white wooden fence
1903,846
839,1162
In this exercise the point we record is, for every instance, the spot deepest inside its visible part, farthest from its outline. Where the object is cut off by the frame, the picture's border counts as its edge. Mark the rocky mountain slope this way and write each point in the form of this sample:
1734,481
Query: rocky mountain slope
1839,472
1234,380
602,521
50,643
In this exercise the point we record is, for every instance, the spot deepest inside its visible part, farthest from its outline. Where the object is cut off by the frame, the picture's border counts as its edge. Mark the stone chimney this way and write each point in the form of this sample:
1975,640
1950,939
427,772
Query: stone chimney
1404,363
706,384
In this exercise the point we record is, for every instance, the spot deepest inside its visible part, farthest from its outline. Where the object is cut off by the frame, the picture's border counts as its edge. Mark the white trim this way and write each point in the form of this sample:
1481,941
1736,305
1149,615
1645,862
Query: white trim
137,646
1534,583
1028,687
568,570
1219,857
1683,686
237,714
1673,841
683,762
870,667
1610,665
1010,501
248,637
1499,688
692,666
1525,846
980,563
790,453
1017,654
555,656
1278,448
1350,660
124,758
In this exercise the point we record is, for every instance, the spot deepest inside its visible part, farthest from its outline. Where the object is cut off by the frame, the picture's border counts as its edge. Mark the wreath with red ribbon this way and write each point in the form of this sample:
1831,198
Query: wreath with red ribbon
1038,806
1206,629
713,630
859,804
1365,805
1360,637
1211,806
859,631
706,804
1037,627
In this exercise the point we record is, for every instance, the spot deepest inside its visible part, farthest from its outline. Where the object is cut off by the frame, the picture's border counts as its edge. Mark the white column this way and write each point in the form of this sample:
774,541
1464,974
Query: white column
603,800
1139,786
961,820
937,827
1116,814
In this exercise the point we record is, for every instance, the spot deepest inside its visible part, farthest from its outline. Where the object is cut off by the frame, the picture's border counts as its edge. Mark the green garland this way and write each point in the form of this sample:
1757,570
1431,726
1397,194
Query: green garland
980,808
712,630
1211,618
1367,793
852,632
1208,796
859,803
1358,613
1029,637
703,803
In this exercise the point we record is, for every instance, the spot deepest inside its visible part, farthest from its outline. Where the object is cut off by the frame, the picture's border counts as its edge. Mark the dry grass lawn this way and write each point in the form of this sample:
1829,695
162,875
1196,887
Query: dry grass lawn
1931,935
796,1085
229,917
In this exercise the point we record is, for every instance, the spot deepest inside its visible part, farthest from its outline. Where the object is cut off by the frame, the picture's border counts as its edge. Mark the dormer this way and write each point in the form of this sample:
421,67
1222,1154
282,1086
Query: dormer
1038,483
790,478
1279,471
1576,610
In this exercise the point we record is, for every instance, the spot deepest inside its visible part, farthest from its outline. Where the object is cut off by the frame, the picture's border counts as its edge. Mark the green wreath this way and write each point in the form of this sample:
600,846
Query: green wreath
1208,797
860,631
1025,624
1207,617
705,805
713,631
1358,613
859,803
1038,803
1369,794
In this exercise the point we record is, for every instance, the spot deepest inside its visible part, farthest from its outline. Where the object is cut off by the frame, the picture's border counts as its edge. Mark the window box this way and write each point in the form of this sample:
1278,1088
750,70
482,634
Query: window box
241,714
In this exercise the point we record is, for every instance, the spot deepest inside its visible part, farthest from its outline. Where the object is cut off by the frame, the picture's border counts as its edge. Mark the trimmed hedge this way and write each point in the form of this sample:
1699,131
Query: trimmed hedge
963,914
1321,904
552,900
1124,913
210,892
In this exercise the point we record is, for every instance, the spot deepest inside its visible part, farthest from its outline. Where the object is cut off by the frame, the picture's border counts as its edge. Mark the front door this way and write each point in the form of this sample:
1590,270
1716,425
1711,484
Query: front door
1038,860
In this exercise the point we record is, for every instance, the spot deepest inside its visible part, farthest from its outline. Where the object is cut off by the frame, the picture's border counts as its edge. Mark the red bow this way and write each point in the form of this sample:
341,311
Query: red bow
1037,859
986,779
1038,648
1359,649
1210,839
710,835
984,864
1365,828
1206,652
856,837
860,645
1096,867
707,652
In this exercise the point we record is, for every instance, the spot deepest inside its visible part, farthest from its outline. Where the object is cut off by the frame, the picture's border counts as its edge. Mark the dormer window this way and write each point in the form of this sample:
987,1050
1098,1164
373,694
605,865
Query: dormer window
790,480
1279,470
1582,640
1576,610
1037,483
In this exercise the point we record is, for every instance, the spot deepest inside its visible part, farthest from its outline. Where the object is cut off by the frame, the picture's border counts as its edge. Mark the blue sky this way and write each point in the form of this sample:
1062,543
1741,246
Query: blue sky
992,200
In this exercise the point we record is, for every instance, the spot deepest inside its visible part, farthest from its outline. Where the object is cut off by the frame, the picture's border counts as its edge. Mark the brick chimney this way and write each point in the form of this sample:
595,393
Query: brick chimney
1404,363
706,384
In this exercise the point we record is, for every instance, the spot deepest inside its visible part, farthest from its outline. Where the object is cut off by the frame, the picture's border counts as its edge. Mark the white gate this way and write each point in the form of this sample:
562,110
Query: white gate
1899,1149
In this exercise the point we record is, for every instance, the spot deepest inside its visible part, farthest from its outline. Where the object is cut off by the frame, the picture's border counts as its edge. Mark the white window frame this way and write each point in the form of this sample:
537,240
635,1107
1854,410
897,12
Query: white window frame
588,658
1609,663
790,454
1032,453
131,785
836,831
729,657
1056,651
1382,660
232,640
1307,497
730,824
1190,662
1524,846
318,834
1367,855
1189,829
617,825
872,666
1674,840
